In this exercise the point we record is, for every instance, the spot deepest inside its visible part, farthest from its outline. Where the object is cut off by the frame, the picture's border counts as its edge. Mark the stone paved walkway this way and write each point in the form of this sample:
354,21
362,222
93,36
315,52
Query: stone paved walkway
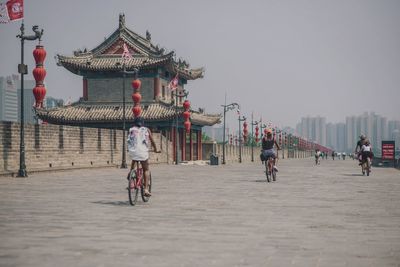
325,215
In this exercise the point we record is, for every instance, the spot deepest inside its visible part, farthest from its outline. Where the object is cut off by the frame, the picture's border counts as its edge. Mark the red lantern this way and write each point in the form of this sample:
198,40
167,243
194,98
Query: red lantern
186,115
39,92
136,111
187,125
39,54
136,84
186,104
136,97
257,133
39,73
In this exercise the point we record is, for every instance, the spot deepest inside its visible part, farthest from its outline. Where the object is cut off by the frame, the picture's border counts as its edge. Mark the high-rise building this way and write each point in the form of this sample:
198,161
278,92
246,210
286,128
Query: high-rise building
341,137
331,136
352,133
52,102
313,128
29,101
9,98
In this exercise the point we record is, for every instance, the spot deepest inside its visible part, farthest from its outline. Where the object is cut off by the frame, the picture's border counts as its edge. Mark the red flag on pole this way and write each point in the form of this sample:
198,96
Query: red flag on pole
11,10
173,84
126,55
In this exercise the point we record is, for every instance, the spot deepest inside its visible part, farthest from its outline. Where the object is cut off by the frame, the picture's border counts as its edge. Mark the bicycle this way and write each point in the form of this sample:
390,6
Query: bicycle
366,166
136,181
269,169
317,160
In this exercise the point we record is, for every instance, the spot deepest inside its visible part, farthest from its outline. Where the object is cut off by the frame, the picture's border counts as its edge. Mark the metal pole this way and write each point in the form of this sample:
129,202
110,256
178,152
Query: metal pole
283,145
240,142
123,164
22,167
252,136
176,127
240,139
223,138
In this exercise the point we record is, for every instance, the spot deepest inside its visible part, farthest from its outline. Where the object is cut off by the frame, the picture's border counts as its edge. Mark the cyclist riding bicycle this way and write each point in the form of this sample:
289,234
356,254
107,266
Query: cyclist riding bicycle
366,151
317,156
360,143
268,143
139,139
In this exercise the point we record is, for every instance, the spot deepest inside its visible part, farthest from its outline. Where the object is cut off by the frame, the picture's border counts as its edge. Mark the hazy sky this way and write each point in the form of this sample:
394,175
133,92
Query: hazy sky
280,59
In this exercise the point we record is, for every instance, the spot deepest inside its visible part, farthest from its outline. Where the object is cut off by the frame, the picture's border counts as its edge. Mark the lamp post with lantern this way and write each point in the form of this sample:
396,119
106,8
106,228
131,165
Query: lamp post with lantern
240,119
226,108
136,109
39,73
253,123
179,94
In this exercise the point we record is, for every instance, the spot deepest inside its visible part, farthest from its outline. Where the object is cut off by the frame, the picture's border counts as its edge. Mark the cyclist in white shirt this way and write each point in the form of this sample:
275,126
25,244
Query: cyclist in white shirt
139,140
366,151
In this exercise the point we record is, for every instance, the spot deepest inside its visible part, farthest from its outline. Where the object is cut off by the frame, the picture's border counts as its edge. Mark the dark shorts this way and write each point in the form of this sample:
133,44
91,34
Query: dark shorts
269,153
367,154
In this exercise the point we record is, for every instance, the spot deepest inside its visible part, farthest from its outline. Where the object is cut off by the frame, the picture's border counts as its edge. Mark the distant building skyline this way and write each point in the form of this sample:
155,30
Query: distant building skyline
10,97
343,136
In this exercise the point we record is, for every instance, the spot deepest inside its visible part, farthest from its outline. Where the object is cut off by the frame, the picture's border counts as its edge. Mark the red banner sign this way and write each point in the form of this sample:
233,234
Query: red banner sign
388,148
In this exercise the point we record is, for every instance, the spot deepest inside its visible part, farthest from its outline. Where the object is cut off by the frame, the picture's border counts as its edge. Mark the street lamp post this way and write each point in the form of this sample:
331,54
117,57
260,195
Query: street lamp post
124,72
240,119
253,123
23,69
283,145
226,108
177,94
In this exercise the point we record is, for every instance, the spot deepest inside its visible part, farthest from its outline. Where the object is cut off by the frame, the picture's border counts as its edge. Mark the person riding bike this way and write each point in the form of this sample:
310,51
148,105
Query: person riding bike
317,156
268,142
366,151
139,139
360,143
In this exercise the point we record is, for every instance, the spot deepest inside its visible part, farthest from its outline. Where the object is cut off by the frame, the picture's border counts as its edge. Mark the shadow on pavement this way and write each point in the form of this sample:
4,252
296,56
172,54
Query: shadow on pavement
353,174
114,203
260,181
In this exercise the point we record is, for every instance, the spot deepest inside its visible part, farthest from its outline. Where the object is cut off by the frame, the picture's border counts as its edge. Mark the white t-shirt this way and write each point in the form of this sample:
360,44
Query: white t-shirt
366,148
138,143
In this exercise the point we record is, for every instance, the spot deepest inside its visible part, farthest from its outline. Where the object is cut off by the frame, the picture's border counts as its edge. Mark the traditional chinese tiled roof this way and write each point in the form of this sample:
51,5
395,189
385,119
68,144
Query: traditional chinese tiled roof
108,56
106,113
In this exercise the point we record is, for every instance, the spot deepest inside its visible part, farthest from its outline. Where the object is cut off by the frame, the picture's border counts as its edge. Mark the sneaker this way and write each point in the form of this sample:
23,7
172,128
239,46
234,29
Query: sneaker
275,169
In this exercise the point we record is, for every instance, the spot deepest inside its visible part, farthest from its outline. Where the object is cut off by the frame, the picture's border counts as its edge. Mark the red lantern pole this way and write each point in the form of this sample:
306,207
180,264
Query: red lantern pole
257,134
136,97
39,73
186,115
245,131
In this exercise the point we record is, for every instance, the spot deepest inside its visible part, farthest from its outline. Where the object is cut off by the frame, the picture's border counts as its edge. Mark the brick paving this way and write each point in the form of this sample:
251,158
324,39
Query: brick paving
327,215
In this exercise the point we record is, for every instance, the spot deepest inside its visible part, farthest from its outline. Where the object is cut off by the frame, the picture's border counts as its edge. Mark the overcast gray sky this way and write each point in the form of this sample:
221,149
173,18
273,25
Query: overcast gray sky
281,59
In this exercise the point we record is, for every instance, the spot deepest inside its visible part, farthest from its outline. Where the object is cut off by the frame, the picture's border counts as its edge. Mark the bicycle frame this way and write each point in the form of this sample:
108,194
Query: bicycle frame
138,182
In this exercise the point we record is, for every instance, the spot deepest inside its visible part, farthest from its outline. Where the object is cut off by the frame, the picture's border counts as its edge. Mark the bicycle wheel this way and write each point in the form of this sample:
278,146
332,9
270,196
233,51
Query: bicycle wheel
144,198
133,191
267,172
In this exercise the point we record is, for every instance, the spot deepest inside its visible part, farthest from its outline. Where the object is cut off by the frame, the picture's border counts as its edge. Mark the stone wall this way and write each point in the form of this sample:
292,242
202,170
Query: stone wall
232,153
55,147
63,147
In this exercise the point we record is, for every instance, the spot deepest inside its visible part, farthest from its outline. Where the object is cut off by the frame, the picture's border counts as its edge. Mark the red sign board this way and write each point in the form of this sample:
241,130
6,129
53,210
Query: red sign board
388,150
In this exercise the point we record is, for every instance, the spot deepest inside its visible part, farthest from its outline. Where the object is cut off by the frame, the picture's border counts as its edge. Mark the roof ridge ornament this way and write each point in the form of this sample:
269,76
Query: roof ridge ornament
121,21
148,36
